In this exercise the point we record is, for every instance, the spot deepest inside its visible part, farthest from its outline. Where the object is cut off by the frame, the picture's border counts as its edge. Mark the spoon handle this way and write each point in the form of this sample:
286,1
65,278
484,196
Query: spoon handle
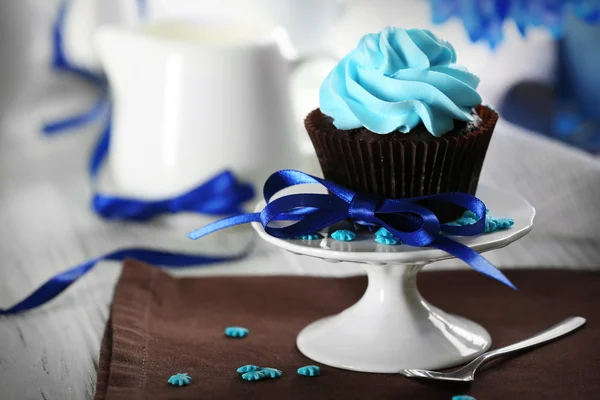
562,328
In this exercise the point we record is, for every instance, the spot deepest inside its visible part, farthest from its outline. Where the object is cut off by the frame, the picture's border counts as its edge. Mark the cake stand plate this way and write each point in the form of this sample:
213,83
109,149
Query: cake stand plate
392,327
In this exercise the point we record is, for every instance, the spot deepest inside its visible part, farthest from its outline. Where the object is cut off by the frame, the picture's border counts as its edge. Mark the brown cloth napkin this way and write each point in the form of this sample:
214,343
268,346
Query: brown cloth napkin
160,326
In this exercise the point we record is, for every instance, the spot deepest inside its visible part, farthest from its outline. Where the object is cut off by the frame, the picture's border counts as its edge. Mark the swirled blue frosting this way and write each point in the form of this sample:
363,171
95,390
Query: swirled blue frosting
394,80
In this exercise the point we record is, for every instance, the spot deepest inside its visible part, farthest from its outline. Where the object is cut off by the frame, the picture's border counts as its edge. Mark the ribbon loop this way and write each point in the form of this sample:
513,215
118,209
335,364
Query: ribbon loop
362,208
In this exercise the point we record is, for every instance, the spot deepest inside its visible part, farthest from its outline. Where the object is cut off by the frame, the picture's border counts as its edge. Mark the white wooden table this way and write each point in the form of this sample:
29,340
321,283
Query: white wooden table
46,227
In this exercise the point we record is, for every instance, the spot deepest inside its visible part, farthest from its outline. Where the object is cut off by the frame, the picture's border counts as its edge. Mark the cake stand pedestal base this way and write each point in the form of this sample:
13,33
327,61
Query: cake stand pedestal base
391,328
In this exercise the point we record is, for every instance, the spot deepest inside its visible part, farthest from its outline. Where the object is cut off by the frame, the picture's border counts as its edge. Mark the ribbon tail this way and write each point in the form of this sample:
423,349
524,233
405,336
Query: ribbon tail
100,150
60,282
224,223
52,288
171,260
472,258
73,122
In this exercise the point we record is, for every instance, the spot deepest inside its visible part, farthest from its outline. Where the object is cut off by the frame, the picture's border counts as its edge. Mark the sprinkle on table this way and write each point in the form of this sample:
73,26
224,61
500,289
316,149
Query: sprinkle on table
271,373
463,397
309,370
236,332
252,376
180,379
247,368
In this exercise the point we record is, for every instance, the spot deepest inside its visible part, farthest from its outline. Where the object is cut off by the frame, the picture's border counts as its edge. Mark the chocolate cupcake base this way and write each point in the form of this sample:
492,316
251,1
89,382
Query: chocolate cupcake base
401,165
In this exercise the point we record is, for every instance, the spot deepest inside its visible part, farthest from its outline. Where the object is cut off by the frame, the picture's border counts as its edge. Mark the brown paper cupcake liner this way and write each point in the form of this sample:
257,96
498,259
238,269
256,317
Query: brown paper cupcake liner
404,165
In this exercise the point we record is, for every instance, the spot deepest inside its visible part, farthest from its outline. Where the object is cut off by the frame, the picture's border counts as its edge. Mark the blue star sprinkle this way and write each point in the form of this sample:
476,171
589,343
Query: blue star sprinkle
343,235
463,397
310,236
492,223
236,332
180,379
309,370
384,236
271,373
252,376
247,368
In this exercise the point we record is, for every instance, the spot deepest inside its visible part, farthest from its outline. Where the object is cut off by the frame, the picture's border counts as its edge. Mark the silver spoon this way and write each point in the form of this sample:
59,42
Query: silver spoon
467,373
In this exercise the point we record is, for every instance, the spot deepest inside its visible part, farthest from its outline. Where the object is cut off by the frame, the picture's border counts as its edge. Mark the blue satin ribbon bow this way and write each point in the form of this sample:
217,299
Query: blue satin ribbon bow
410,222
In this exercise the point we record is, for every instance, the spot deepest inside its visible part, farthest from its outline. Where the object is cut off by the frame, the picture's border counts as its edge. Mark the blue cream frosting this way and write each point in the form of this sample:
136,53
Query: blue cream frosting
394,80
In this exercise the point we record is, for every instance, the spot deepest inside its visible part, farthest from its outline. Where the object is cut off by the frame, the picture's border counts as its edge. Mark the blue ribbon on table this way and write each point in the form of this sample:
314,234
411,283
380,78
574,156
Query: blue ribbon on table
57,284
222,194
412,223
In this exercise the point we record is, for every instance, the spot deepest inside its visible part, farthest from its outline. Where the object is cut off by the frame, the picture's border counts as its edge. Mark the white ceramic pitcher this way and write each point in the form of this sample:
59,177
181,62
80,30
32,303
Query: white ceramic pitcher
194,98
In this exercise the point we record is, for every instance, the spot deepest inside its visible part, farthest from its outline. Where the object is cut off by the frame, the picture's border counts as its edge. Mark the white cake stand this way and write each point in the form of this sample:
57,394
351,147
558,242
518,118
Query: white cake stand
392,327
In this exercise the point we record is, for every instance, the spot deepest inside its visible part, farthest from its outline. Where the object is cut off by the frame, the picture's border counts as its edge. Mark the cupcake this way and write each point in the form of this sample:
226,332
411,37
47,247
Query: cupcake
399,118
